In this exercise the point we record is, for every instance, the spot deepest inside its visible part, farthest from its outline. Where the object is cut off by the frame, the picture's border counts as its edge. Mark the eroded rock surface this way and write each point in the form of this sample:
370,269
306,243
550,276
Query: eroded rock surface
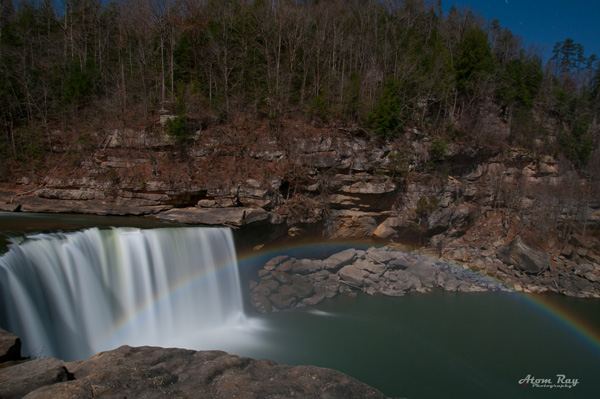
327,183
151,372
285,282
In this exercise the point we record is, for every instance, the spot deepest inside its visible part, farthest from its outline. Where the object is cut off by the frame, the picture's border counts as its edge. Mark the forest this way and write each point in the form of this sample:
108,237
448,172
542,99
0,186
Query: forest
385,66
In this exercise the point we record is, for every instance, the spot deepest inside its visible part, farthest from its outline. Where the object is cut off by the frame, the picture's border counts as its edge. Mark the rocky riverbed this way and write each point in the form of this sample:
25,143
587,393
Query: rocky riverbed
151,372
285,282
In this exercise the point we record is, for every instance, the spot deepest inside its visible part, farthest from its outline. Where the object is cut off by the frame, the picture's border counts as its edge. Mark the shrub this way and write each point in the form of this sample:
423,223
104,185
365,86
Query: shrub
427,204
178,128
438,149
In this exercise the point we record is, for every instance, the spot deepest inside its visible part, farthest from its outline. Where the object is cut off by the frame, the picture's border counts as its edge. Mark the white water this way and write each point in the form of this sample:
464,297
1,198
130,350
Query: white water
72,295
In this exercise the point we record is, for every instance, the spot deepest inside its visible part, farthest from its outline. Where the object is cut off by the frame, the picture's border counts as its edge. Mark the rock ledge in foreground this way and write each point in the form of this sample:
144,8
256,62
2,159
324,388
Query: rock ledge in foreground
150,372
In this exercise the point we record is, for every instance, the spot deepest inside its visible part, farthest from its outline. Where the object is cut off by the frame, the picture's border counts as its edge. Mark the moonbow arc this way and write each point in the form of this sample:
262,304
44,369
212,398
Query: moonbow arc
540,302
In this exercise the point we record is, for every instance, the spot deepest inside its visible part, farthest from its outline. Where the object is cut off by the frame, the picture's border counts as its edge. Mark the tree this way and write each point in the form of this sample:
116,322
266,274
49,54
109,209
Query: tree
474,60
389,114
521,81
568,56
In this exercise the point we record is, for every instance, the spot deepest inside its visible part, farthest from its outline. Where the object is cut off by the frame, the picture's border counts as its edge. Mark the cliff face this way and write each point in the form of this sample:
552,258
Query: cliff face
464,202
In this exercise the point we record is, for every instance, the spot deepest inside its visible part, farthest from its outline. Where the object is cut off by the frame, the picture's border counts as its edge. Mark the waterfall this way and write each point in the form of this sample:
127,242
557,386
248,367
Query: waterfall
70,295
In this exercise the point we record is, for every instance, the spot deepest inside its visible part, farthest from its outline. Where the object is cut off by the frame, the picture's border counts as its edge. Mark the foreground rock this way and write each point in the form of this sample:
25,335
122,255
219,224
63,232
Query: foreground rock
285,282
10,347
150,372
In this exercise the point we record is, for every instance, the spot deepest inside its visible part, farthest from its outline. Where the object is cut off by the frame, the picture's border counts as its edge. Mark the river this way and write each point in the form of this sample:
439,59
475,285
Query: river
441,344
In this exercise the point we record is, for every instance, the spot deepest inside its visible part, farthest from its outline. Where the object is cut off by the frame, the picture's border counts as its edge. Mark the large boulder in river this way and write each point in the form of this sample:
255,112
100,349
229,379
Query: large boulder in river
524,257
353,275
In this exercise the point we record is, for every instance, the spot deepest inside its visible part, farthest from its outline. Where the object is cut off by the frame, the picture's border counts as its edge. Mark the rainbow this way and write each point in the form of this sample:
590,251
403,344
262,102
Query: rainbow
124,324
543,303
581,328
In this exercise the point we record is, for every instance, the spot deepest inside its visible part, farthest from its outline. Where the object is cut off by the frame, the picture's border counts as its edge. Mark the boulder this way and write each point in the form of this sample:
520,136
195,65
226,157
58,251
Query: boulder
276,261
524,257
302,286
340,259
265,287
423,272
10,347
320,275
329,288
379,255
286,292
313,300
282,277
18,380
305,266
353,275
283,300
406,281
373,268
593,277
387,229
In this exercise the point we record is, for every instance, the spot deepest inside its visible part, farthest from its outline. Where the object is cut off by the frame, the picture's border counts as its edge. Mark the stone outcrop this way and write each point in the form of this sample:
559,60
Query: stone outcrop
150,372
285,282
218,216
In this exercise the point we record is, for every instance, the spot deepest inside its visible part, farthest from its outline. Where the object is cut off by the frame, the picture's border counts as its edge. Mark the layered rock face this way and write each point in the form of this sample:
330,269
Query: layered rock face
353,184
337,184
149,372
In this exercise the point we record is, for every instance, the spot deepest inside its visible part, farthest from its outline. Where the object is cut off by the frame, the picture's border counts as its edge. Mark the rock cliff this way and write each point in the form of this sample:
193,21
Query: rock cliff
464,204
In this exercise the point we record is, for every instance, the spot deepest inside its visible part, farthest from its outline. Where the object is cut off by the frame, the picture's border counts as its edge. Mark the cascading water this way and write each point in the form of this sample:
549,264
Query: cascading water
72,295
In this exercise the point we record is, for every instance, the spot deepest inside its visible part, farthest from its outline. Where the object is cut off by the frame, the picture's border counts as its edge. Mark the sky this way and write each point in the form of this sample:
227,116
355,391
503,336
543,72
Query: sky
543,22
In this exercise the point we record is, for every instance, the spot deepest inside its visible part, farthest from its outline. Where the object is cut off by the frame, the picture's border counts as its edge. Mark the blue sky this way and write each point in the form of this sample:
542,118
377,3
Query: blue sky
543,22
